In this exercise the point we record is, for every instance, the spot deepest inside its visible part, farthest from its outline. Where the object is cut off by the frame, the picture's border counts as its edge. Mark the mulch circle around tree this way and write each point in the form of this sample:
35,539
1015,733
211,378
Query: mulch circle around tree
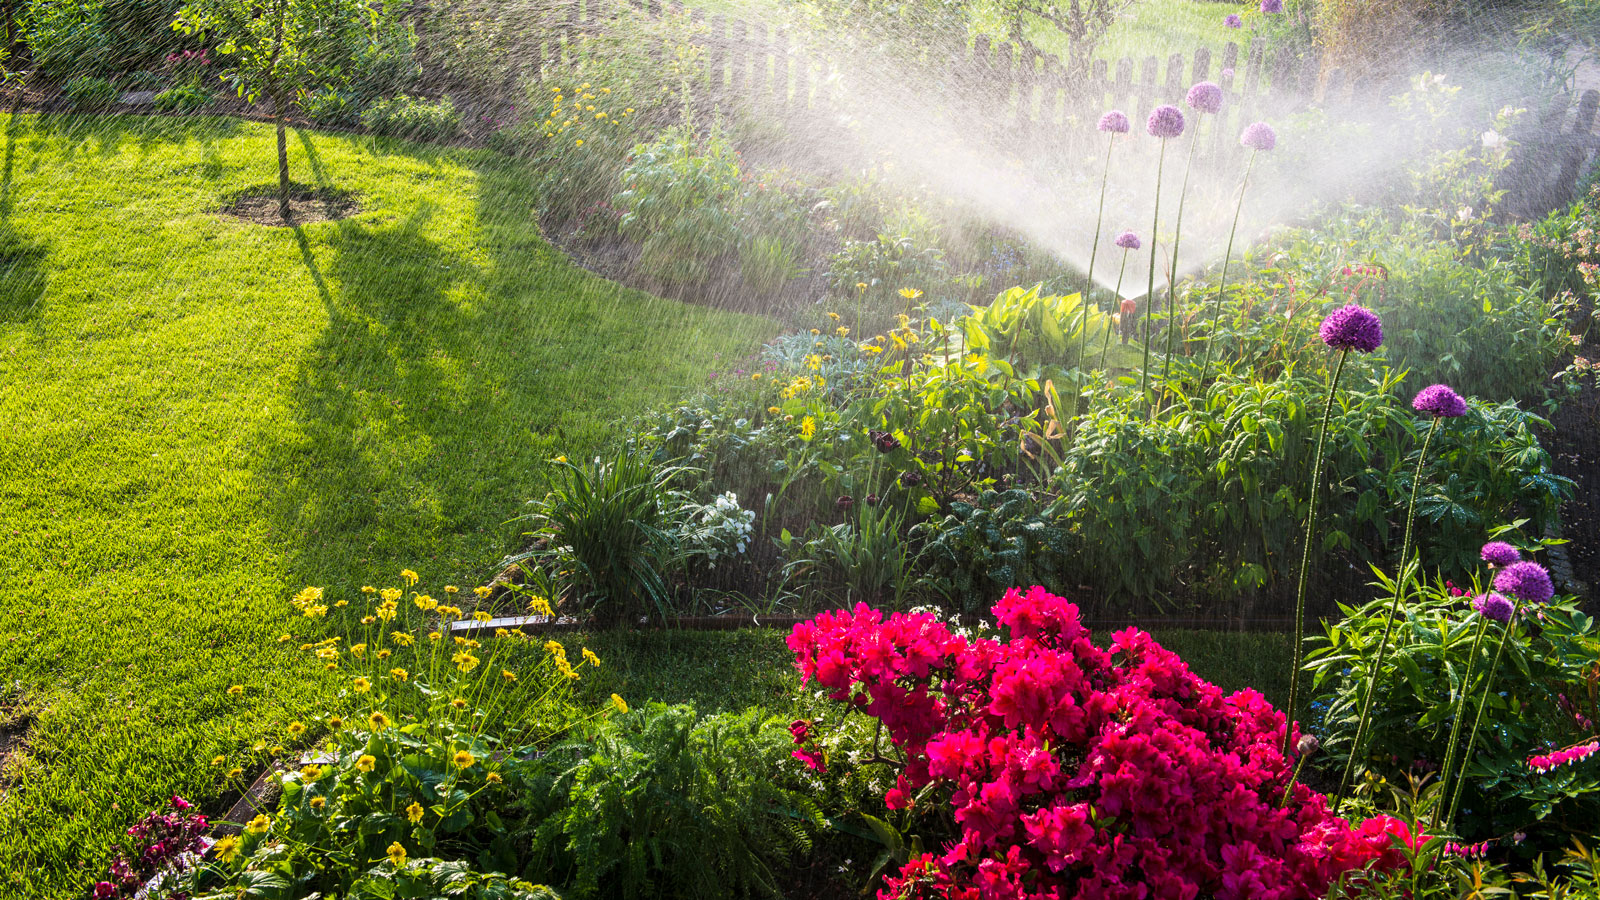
306,206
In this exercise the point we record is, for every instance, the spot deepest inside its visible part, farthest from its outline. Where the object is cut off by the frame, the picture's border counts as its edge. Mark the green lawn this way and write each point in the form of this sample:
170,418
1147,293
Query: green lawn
200,416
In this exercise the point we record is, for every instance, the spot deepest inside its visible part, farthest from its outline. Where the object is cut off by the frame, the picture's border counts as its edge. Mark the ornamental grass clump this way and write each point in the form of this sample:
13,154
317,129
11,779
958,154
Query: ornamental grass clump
1440,402
1346,329
1256,137
1165,123
1072,770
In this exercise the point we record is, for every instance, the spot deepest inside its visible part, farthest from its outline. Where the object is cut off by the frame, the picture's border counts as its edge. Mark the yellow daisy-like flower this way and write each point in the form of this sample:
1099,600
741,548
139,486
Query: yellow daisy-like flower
464,661
396,854
399,674
463,759
414,812
276,751
834,316
590,658
259,824
619,703
390,593
808,428
402,638
424,602
328,653
409,576
361,685
434,636
481,616
384,654
773,410
379,721
816,331
540,606
217,761
458,703
368,589
508,675
297,728
335,722
342,603
285,639
386,610
226,848
451,589
756,377
366,763
483,590
307,596
318,802
494,778
235,772
359,651
236,690
842,330
311,773
554,648
910,293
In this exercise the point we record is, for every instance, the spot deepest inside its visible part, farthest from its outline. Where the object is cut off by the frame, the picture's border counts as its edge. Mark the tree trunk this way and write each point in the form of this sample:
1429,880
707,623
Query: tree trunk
278,113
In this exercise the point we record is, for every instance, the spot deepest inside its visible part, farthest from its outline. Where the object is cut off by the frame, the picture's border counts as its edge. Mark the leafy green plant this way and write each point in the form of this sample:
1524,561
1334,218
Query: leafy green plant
1544,695
413,117
864,561
872,273
87,92
660,803
329,105
679,201
182,99
104,38
999,540
766,264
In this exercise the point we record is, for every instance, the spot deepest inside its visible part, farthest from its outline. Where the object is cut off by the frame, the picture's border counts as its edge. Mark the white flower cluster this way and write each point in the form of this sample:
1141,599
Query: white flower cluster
722,527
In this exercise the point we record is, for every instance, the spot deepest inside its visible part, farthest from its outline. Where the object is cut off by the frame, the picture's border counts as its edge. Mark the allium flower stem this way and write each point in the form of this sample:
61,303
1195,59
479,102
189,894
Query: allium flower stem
1477,720
1150,289
1106,347
1222,285
1404,578
1088,282
1455,727
1293,708
1172,276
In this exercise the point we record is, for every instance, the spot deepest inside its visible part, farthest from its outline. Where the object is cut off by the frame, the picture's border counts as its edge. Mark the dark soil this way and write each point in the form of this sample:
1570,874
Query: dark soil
306,205
15,725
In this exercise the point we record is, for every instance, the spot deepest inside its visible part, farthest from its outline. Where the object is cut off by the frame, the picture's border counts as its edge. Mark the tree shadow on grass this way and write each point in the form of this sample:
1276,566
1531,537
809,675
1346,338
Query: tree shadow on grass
22,260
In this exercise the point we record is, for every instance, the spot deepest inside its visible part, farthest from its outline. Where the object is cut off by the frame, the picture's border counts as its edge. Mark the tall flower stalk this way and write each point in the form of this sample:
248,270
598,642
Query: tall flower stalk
1205,97
1258,137
1127,241
1165,122
1111,124
1529,583
1348,328
1442,403
1488,606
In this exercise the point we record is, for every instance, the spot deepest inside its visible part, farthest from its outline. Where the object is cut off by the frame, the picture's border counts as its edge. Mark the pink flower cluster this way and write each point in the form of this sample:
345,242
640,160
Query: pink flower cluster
1548,761
159,840
1079,771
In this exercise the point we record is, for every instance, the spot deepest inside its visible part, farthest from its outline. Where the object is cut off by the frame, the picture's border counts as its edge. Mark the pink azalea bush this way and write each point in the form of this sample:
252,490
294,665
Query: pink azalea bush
1079,771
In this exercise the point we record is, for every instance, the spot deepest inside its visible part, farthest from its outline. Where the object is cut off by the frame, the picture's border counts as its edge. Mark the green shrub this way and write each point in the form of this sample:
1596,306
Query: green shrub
864,561
182,99
87,92
329,105
102,38
658,803
1542,699
872,274
413,118
998,541
679,201
766,264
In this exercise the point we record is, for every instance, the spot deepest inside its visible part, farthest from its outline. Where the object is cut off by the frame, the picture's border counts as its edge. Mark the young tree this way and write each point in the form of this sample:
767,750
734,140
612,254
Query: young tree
280,49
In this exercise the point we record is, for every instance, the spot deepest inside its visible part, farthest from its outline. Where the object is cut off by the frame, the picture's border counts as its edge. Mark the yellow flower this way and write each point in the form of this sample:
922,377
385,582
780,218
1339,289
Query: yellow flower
385,653
756,377
834,316
910,293
276,751
508,675
226,848
361,685
409,576
843,330
236,690
540,606
335,722
311,773
390,593
259,824
458,703
773,410
402,638
368,589
816,331
308,596
561,459
464,661
217,761
814,362
318,802
481,616
451,589
366,763
328,653
398,674
619,703
590,658
285,639
580,142
386,610
463,759
483,590
378,721
235,772
359,651
808,428
414,812
425,603
861,285
367,620
342,603
554,648
396,854
434,636
297,729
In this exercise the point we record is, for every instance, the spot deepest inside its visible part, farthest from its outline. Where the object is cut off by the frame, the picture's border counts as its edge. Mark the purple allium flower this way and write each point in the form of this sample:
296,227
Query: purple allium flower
1127,241
1352,327
1232,20
1499,554
1527,581
1440,402
1259,136
1206,97
1493,606
1271,6
1166,121
1114,122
